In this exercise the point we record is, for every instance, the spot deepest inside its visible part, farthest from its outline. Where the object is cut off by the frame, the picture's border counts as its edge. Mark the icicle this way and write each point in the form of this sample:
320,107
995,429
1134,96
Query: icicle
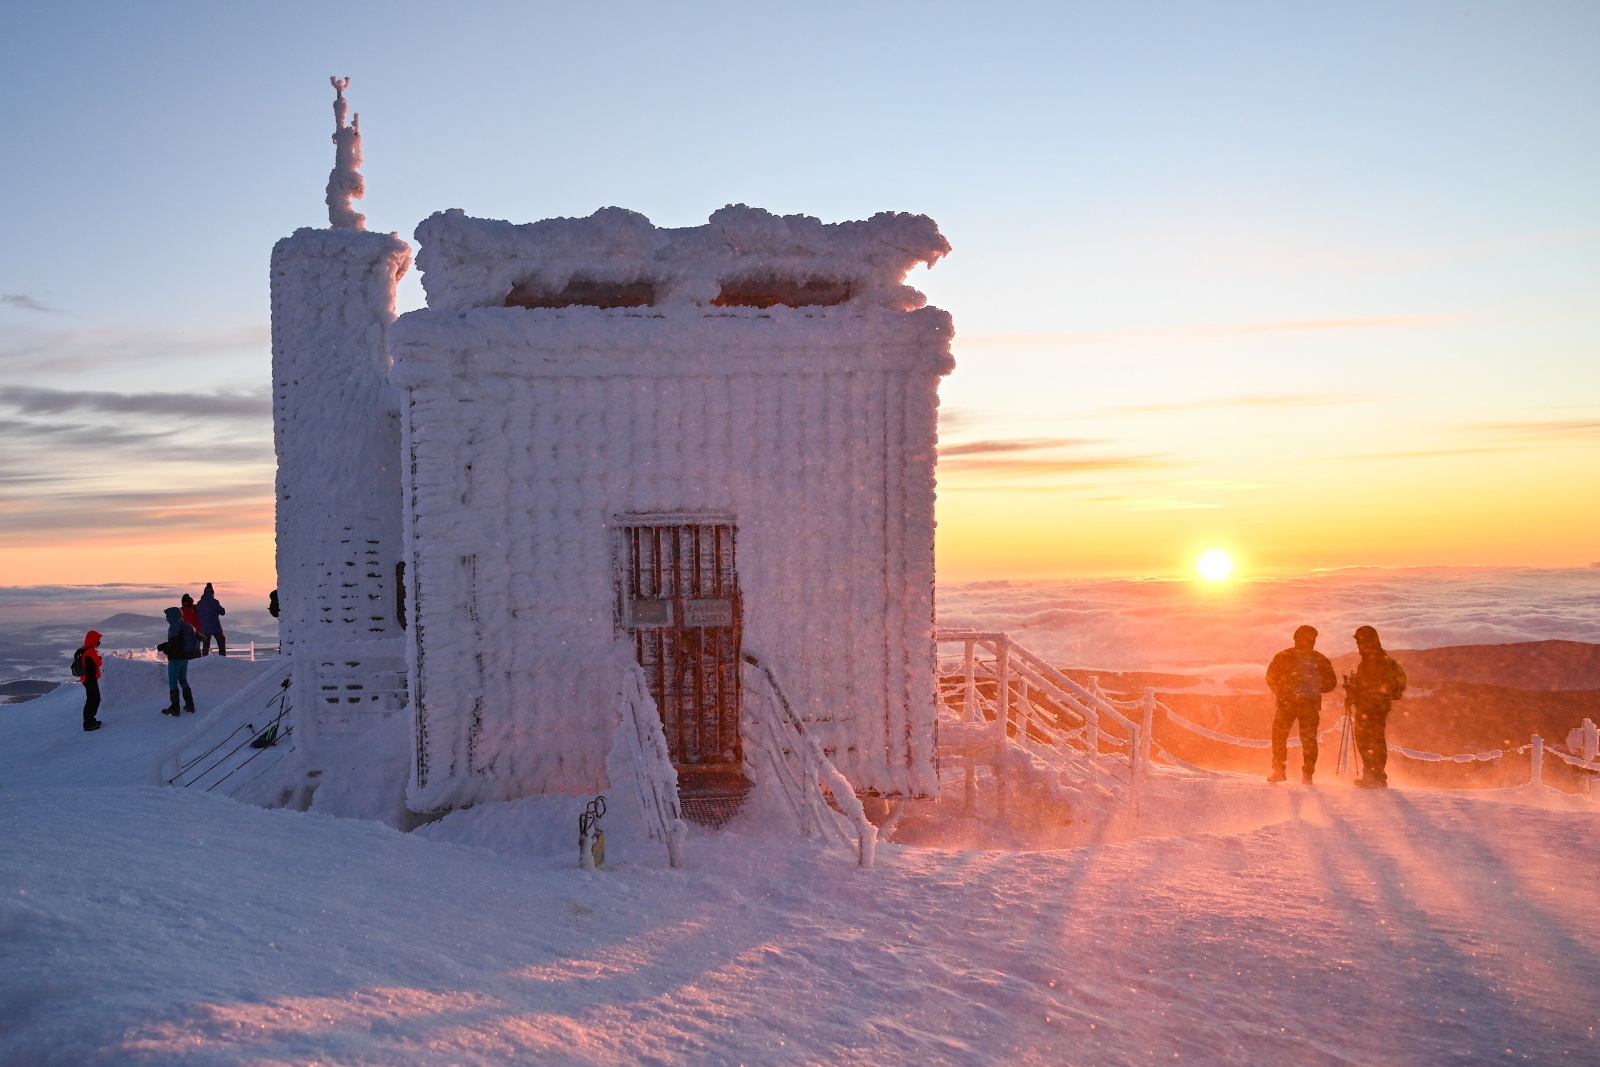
344,181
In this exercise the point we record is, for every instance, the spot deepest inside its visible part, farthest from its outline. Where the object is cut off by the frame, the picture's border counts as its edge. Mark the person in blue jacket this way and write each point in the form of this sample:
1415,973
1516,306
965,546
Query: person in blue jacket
211,613
182,645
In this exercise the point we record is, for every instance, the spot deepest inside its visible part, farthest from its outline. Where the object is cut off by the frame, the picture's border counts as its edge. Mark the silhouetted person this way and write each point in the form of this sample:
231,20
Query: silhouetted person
90,664
272,603
210,613
1377,683
1298,677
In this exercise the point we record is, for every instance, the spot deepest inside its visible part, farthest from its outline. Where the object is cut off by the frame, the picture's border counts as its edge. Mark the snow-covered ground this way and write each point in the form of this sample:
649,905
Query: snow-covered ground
1236,923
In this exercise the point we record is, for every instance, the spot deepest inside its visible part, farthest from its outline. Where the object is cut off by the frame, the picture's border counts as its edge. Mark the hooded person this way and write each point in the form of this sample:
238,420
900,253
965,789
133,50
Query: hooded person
1377,683
90,663
182,644
1298,677
210,613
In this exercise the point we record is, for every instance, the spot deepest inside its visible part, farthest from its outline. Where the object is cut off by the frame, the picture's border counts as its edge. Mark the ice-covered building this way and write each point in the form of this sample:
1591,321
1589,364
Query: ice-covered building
602,444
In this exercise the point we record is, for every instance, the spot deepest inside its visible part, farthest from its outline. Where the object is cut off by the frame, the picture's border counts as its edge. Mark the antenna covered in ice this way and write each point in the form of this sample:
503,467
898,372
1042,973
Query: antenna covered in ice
344,182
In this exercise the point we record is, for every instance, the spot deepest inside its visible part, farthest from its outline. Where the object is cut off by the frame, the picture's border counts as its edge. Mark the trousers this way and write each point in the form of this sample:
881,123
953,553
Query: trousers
91,696
1308,712
1371,722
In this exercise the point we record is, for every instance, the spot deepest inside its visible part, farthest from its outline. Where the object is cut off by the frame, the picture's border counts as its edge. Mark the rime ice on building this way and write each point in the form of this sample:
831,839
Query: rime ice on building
608,444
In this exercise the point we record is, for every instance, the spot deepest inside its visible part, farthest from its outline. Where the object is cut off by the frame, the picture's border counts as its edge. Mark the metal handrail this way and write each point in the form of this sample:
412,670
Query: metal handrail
802,790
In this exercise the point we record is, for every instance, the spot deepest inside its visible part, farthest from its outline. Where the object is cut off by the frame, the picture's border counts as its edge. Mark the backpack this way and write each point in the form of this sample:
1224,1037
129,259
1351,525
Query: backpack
186,645
79,665
1397,679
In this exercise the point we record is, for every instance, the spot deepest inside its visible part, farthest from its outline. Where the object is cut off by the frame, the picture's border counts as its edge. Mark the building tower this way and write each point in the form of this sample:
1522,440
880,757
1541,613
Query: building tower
337,437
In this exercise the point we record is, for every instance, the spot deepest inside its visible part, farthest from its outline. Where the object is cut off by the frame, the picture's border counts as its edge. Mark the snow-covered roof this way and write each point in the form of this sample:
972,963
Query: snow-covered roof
743,256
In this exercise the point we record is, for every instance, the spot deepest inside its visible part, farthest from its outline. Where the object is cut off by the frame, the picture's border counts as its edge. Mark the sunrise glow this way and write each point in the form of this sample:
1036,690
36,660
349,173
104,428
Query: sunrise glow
1215,565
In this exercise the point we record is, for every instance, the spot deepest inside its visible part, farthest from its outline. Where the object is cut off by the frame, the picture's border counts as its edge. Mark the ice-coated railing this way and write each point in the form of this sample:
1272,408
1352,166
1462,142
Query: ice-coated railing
653,772
1585,739
1034,725
798,767
223,740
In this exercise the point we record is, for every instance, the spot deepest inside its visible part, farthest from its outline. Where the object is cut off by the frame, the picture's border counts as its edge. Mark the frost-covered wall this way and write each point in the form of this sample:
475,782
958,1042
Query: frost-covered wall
337,433
530,430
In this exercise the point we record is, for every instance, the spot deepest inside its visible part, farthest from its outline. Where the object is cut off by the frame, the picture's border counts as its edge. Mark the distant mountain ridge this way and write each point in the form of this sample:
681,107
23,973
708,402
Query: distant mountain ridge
1539,665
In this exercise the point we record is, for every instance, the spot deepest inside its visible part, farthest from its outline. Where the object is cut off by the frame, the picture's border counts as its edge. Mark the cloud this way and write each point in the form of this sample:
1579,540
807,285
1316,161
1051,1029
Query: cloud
1021,444
70,445
243,404
1290,400
33,351
90,514
1157,623
1544,430
23,301
1184,334
41,594
1029,457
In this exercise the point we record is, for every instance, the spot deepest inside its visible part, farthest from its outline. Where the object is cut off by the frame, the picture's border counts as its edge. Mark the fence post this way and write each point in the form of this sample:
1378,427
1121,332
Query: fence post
969,706
1002,698
1536,763
1589,744
1025,712
1149,721
1091,733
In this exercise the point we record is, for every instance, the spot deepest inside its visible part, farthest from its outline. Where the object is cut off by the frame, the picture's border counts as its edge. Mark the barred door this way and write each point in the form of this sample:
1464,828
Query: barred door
680,602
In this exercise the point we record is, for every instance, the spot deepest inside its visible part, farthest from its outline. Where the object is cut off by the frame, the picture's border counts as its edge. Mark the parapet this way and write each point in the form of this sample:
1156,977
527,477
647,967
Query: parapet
742,257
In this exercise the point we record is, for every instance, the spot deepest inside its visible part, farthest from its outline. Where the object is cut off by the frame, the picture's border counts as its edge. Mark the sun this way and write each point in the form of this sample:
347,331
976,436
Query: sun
1215,565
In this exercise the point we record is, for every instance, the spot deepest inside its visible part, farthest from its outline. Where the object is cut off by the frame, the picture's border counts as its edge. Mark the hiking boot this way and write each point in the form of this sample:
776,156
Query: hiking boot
172,708
188,699
1307,779
92,724
1372,783
1277,776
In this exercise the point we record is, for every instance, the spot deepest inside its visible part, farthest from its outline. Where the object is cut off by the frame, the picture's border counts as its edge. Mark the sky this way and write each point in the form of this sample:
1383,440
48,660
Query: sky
1311,284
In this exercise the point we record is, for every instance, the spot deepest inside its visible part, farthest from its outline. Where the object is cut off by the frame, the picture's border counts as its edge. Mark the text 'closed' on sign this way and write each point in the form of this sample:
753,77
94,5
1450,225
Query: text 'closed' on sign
707,613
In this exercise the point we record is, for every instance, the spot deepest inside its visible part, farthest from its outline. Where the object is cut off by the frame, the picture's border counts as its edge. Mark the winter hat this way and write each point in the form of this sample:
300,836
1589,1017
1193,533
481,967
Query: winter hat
1366,637
208,590
1307,632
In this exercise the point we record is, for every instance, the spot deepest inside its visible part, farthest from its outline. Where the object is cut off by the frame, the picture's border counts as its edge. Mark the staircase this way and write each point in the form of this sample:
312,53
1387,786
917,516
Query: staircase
1047,742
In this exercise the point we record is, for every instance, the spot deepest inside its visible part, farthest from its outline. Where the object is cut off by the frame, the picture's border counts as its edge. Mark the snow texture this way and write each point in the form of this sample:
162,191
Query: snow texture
1262,926
468,262
344,181
531,432
337,435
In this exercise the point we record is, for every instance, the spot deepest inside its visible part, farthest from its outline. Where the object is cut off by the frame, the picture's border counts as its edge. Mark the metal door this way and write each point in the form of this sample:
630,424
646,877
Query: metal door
680,603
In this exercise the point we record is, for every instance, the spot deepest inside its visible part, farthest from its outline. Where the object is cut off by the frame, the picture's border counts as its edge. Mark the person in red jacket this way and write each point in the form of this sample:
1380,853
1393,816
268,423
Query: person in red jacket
190,614
91,679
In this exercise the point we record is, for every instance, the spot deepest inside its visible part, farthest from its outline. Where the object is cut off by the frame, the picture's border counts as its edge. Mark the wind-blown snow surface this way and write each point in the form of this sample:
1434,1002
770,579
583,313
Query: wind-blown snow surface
1233,923
145,926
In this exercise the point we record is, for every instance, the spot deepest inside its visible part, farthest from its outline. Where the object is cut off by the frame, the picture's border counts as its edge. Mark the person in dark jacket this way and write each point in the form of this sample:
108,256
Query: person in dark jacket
1298,677
1377,683
210,613
182,642
91,679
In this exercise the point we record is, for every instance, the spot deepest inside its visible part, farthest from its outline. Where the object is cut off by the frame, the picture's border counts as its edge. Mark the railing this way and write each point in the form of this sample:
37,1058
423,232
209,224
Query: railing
797,766
228,738
1024,716
653,772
